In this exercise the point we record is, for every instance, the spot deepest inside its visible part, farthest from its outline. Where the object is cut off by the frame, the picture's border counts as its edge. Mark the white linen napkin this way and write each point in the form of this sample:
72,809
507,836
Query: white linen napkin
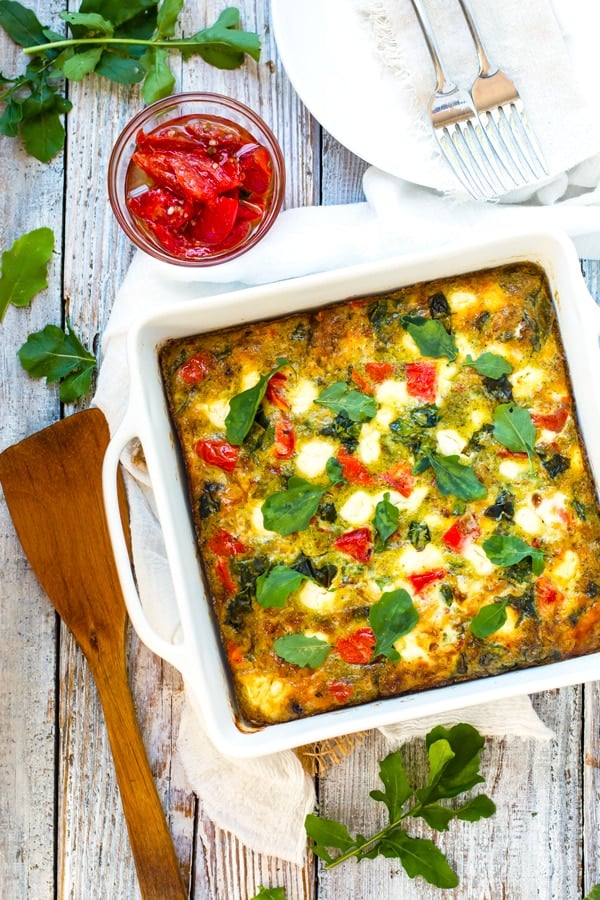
396,218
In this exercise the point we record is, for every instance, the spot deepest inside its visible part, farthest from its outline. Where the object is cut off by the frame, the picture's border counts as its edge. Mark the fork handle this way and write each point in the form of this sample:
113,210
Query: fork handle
444,83
486,67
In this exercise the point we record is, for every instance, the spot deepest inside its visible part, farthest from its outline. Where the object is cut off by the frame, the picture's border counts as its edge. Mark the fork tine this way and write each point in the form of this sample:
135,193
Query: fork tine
528,142
458,157
499,132
502,114
490,160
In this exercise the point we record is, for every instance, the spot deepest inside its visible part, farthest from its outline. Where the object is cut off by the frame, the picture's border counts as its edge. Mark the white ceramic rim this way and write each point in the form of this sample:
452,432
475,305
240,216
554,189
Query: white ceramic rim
199,657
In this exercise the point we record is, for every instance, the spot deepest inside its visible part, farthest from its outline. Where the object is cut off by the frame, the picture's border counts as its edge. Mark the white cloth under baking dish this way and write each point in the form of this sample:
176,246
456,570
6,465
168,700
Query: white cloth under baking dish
395,219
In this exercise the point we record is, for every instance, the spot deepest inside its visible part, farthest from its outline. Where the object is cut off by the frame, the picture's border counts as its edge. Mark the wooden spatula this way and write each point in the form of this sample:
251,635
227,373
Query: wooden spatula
52,483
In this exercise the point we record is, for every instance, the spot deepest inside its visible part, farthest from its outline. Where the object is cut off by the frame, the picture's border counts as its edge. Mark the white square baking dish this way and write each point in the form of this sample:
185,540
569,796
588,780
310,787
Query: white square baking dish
199,656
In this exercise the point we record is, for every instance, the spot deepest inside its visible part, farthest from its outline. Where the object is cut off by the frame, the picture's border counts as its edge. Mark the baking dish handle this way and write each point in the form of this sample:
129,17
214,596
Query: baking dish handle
172,653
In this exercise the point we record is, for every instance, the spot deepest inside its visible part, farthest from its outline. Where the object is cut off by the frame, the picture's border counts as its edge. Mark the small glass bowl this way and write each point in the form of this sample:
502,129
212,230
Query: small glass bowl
225,112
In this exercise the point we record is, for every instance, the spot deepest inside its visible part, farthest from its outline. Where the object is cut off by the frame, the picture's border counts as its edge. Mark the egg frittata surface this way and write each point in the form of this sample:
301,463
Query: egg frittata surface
390,493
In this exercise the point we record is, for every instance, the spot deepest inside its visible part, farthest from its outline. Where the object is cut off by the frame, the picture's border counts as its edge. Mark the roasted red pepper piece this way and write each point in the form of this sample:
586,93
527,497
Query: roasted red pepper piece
285,439
218,453
421,580
196,368
275,392
216,136
256,169
554,421
225,544
362,383
400,478
340,690
546,593
379,371
215,220
461,533
159,204
352,469
357,544
357,648
421,380
224,575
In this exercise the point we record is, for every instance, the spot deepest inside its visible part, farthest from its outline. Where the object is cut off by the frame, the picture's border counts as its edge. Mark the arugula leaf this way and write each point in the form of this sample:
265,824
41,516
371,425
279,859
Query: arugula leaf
430,336
489,619
167,15
159,81
25,268
291,510
393,616
275,586
21,24
506,550
340,398
124,42
327,833
491,365
386,519
420,856
244,406
454,769
57,356
452,476
264,893
396,783
302,650
95,24
76,66
514,429
222,45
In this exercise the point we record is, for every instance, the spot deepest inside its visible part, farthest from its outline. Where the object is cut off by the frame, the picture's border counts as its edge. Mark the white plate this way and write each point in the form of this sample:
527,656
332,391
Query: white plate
334,67
335,70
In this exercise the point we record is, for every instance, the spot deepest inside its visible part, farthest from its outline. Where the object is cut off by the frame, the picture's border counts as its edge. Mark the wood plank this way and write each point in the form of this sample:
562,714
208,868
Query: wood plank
223,867
591,734
31,198
591,787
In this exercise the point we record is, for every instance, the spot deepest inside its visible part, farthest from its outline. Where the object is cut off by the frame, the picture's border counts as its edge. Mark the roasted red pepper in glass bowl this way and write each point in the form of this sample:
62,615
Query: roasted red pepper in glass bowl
196,179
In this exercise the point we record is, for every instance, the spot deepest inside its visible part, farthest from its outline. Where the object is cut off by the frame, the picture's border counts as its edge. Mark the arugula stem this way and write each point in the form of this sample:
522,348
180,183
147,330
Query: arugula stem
174,43
368,844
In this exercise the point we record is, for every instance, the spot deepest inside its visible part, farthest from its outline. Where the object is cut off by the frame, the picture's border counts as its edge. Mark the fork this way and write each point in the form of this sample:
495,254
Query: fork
464,143
502,115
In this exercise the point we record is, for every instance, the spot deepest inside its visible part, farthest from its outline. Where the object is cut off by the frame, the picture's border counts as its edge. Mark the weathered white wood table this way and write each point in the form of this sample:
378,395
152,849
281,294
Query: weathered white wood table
62,832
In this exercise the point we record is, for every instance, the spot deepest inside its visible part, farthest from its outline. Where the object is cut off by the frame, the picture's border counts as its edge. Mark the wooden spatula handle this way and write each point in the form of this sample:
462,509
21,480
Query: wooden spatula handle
52,484
154,856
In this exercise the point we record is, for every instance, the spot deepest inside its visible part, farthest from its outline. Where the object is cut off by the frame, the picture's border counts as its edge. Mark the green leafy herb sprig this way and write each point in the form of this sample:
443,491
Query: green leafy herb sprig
59,356
126,42
454,759
277,893
25,268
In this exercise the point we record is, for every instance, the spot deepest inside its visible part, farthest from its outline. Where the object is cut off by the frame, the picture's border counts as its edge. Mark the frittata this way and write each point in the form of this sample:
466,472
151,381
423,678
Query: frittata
389,493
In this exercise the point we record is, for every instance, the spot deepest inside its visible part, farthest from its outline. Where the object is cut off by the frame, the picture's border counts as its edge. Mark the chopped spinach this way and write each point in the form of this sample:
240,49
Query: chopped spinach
503,508
344,430
499,388
554,464
321,575
438,305
209,501
419,534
